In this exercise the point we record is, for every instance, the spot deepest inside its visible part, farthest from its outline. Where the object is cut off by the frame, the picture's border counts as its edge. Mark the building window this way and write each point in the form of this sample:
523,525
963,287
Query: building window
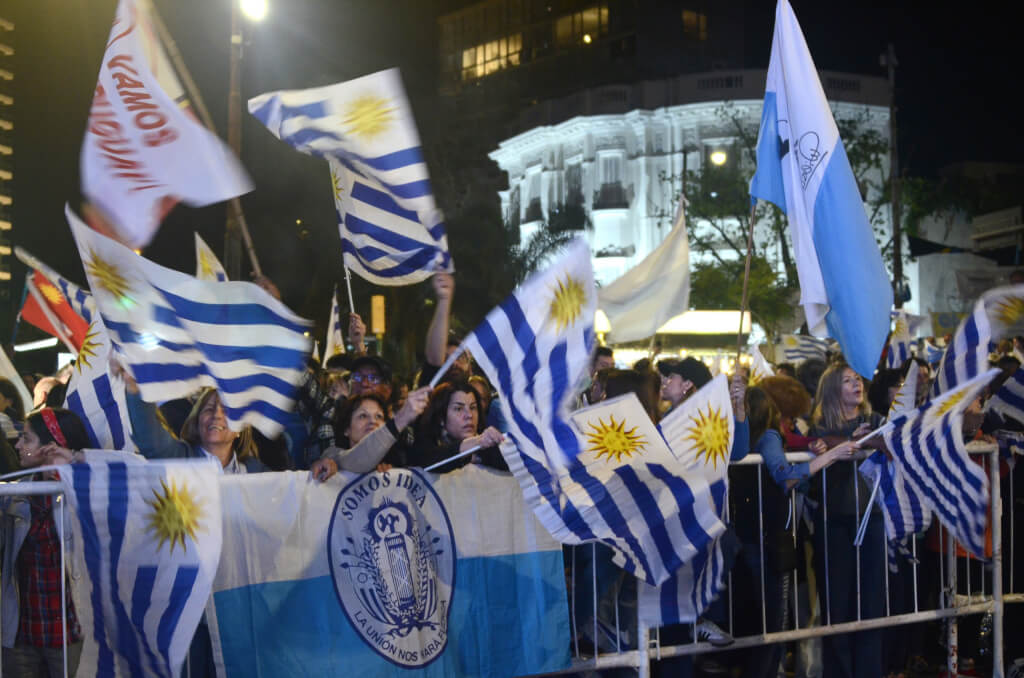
491,57
612,194
611,169
695,25
574,185
583,27
533,208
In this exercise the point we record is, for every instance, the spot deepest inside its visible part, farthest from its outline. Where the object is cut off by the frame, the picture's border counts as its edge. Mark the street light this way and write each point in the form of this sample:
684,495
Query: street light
718,158
254,10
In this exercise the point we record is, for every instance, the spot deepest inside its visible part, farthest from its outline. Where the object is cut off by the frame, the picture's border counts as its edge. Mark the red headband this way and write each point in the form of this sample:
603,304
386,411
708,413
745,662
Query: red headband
50,419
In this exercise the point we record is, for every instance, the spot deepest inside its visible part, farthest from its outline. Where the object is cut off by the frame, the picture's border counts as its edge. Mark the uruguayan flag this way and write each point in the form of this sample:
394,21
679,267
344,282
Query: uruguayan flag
904,512
95,397
150,540
803,169
81,300
800,347
932,353
1008,401
208,266
899,341
999,313
928,452
397,573
391,230
699,433
178,334
335,333
659,509
759,367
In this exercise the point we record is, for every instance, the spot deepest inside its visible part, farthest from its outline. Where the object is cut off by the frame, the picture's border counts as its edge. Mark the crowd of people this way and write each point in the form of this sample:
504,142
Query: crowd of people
353,414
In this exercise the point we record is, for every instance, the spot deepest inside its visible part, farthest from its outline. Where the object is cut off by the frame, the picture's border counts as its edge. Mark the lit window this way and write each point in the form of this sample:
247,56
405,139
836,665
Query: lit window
491,57
695,25
581,28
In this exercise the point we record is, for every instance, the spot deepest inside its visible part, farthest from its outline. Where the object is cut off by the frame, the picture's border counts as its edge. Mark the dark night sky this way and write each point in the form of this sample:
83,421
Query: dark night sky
958,70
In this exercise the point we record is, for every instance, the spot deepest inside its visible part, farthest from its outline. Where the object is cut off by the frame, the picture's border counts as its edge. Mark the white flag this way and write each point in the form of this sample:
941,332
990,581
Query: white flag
143,152
656,289
208,266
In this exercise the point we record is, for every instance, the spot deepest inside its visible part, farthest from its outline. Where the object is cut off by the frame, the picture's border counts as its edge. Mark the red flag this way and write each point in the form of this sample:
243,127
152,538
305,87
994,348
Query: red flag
71,326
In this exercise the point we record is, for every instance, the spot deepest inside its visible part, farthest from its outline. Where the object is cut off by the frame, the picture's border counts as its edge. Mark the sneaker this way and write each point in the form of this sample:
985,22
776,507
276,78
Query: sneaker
710,632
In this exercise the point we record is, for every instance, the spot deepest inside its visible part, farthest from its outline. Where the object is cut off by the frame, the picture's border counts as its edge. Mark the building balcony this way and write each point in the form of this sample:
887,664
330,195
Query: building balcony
612,197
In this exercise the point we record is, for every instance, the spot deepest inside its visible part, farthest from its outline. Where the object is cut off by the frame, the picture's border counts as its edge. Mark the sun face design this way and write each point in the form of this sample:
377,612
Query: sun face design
949,403
1010,310
176,514
336,184
89,347
900,328
110,279
567,302
51,293
791,341
206,266
709,432
613,440
368,116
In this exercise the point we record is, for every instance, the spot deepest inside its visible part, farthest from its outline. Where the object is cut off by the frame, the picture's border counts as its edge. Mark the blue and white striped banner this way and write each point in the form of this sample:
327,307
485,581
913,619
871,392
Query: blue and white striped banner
1008,401
899,341
99,401
335,330
150,541
800,347
391,230
904,512
928,452
179,334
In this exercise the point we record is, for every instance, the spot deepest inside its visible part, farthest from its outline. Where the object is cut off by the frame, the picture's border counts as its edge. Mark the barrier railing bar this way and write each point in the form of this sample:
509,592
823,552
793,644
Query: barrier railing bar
952,639
913,549
572,606
997,564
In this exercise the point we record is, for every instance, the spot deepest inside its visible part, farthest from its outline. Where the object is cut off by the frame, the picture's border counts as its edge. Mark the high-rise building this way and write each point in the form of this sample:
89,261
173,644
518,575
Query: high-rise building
6,156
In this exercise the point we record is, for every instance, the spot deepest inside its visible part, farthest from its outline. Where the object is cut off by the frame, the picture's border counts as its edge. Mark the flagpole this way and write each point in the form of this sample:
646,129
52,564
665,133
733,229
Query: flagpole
348,284
746,281
234,204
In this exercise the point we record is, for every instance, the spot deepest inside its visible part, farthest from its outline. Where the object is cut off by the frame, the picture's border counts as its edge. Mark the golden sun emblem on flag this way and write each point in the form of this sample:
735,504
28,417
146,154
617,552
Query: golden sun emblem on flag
336,184
88,349
949,403
205,265
709,433
51,293
900,327
613,440
109,278
567,302
790,341
176,514
1010,310
368,116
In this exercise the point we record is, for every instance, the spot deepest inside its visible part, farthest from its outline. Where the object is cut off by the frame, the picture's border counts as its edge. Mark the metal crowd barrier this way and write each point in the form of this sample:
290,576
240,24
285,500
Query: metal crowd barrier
984,594
643,645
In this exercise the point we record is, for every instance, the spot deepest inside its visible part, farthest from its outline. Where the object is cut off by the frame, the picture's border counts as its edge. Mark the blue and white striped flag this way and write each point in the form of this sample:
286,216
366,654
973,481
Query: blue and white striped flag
700,434
928,452
899,341
1008,401
800,347
391,230
535,347
150,541
208,266
178,334
932,353
904,512
998,313
803,169
335,334
95,396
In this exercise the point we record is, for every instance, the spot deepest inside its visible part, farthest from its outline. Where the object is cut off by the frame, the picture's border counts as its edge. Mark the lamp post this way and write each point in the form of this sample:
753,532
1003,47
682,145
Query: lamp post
254,10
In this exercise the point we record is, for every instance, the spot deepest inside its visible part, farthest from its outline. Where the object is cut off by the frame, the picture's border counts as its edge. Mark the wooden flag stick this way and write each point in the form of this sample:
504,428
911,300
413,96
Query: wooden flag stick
234,205
746,282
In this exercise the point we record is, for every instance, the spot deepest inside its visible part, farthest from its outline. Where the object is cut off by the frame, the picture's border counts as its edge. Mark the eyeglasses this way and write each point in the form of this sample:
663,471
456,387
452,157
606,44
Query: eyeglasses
361,378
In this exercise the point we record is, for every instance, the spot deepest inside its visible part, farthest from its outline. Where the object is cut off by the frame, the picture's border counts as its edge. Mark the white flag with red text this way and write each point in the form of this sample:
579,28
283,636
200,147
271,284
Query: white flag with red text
143,150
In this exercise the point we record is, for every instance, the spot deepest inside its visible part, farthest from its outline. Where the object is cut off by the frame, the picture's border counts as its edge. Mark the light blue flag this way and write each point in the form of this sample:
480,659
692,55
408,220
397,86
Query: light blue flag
148,535
803,169
386,574
391,230
928,452
177,333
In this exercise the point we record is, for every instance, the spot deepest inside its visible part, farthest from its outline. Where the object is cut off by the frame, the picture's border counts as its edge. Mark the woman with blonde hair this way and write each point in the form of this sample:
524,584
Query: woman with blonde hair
841,413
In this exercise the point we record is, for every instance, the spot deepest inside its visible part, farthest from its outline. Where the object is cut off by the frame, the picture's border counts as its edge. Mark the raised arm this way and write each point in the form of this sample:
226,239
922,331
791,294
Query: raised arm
437,335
